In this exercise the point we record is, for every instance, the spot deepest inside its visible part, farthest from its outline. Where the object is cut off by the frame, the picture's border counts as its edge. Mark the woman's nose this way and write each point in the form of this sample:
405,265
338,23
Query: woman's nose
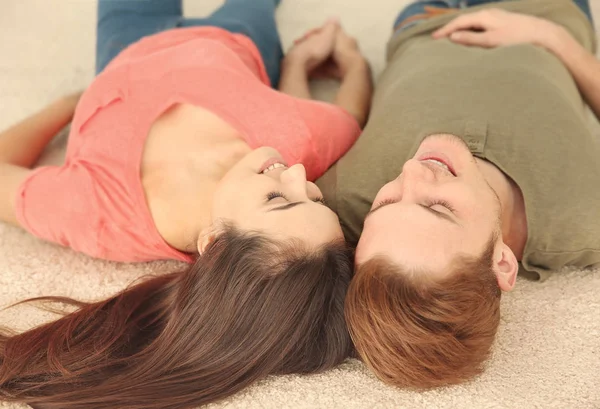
294,178
313,190
294,174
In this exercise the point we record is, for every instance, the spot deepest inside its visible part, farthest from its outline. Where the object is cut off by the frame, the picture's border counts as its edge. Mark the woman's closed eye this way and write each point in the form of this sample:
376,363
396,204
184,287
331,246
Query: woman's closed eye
320,200
275,195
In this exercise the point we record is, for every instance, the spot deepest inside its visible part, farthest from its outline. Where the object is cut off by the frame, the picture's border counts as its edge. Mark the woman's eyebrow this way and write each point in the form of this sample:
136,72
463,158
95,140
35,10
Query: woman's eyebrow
286,206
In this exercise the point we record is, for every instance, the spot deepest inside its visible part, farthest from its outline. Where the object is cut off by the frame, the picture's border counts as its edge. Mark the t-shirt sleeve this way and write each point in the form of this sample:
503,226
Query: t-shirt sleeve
333,132
58,204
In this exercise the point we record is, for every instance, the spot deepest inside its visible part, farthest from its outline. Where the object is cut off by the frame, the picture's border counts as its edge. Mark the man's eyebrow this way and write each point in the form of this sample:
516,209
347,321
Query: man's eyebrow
439,215
378,207
287,206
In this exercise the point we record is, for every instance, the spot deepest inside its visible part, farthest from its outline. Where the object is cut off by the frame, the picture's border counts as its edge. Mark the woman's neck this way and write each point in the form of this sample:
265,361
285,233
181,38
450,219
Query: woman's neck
187,153
182,192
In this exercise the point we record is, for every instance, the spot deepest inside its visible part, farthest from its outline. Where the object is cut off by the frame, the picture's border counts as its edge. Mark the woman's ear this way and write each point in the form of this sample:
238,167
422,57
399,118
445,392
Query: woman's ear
506,267
207,236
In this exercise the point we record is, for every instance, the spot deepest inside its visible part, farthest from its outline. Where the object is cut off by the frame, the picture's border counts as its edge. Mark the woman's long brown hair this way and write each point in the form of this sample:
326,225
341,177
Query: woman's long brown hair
246,309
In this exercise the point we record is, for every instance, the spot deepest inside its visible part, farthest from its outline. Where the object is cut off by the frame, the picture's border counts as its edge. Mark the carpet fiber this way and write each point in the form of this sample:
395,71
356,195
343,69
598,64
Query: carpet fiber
548,349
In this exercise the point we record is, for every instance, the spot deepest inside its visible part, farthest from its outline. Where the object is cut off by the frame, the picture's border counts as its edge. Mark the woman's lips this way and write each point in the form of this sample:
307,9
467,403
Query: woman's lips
272,162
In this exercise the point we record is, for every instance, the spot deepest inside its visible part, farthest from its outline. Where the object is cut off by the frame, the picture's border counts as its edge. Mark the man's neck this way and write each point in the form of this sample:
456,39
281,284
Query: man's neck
513,219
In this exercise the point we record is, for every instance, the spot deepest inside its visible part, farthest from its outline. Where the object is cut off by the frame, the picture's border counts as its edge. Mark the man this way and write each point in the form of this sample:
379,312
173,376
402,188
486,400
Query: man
479,139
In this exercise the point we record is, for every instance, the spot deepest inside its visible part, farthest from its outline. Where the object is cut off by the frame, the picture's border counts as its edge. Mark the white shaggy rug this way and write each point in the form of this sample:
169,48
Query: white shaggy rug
548,349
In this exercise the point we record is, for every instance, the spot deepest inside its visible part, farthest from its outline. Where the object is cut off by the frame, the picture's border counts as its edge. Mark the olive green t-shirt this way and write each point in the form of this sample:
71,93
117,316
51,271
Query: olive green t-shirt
517,107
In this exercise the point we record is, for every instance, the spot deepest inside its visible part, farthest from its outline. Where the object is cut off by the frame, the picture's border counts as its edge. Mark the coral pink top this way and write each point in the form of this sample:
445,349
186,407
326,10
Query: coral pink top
95,202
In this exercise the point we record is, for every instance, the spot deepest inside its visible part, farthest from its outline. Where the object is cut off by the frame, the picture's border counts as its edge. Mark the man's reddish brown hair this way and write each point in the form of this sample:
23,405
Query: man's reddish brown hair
417,332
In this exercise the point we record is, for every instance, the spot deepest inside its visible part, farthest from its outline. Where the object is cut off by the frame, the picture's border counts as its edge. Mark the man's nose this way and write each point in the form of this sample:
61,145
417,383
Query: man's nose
414,177
414,169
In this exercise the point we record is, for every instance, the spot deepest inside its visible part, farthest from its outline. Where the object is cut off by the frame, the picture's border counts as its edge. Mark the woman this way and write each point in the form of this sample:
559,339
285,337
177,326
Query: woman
168,158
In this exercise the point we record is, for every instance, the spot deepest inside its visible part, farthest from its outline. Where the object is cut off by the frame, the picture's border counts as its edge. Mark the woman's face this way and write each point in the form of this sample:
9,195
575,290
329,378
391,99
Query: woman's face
260,193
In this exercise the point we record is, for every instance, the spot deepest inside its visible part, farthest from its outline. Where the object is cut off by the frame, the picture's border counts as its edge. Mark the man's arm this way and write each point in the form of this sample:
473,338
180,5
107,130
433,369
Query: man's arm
583,65
494,28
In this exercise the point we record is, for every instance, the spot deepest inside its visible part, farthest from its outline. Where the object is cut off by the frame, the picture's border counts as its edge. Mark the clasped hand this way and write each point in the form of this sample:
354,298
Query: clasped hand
326,52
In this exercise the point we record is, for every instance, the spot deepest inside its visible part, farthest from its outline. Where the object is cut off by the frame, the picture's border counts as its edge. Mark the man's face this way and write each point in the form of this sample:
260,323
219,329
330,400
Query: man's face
439,207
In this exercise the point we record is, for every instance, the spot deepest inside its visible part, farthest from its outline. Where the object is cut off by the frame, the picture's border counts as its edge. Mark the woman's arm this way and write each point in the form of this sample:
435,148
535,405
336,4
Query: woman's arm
500,28
11,177
21,146
23,143
294,79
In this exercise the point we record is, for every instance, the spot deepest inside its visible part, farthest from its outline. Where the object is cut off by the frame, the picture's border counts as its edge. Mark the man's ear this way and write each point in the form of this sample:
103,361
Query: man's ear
506,267
207,236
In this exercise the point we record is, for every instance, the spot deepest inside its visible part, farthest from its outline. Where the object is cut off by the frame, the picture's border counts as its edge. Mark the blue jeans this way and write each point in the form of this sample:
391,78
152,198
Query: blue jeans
123,22
418,7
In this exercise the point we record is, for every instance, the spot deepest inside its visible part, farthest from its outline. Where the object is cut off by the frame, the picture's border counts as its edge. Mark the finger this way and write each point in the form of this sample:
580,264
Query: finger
330,23
345,40
471,38
331,26
333,20
311,32
325,33
307,35
341,33
328,33
477,21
